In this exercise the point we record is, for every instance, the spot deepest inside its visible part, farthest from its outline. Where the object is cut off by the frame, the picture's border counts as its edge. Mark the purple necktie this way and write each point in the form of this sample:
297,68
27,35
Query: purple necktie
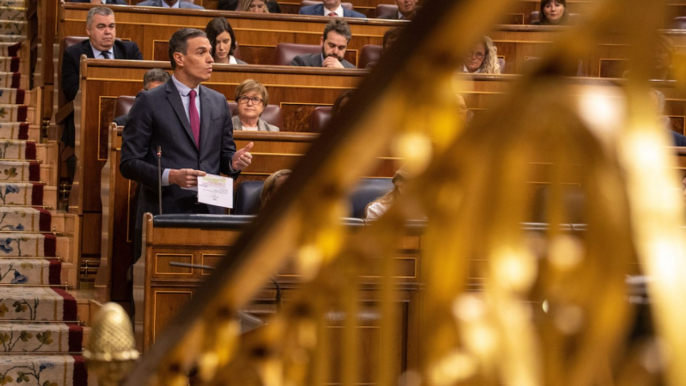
195,119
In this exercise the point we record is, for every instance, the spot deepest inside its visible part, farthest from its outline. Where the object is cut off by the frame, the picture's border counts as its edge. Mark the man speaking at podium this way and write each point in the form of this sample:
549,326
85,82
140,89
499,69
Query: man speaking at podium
190,123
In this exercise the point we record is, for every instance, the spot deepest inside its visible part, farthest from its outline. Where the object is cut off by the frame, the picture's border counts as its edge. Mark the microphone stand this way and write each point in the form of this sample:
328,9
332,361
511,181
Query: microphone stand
159,176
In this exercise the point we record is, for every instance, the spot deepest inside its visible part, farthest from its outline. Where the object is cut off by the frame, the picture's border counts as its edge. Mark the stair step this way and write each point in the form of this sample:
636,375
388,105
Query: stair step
17,113
20,171
12,27
36,303
24,219
30,272
13,79
17,130
27,244
14,149
10,48
4,37
12,3
21,193
41,338
15,96
61,370
11,13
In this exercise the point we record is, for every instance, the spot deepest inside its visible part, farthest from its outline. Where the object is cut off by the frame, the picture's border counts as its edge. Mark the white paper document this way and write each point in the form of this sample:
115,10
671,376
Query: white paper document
215,190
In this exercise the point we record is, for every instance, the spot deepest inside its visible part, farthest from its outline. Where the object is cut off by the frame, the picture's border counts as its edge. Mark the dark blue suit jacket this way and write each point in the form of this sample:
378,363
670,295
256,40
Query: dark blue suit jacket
157,118
72,57
679,140
318,10
114,2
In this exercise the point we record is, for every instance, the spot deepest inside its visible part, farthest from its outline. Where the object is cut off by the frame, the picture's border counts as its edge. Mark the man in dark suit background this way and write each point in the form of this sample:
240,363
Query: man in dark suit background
329,8
407,9
170,4
192,125
101,44
334,43
113,2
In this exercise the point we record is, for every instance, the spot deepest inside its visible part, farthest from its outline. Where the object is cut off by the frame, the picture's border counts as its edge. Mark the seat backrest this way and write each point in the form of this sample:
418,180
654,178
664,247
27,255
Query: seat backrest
248,197
533,17
386,9
237,51
123,105
369,53
502,63
64,44
305,3
285,52
679,22
272,114
368,190
321,115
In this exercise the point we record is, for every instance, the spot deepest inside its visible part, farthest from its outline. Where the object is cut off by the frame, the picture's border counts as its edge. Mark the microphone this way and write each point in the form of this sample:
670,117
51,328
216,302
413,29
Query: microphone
159,176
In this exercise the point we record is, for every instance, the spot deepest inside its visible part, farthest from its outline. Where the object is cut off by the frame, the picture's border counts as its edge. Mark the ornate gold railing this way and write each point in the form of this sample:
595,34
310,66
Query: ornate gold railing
555,314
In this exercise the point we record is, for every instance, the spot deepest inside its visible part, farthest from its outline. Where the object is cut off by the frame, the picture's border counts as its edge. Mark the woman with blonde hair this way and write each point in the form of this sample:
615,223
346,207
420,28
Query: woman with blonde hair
255,6
378,207
483,59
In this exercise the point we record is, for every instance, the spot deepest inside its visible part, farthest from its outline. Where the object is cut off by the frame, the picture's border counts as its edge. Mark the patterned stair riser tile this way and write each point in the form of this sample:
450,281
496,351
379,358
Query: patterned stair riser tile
24,220
10,64
36,303
12,13
27,245
41,337
30,271
19,171
10,27
13,80
10,48
43,370
13,113
21,194
14,130
12,149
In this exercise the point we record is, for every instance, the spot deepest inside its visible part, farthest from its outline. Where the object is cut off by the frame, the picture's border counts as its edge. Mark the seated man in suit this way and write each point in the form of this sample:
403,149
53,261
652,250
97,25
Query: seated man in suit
329,8
153,77
190,124
334,43
407,9
114,2
101,44
170,4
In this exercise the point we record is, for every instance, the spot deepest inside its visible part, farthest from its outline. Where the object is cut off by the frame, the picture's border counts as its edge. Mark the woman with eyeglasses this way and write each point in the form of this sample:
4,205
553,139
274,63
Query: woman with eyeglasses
251,97
483,59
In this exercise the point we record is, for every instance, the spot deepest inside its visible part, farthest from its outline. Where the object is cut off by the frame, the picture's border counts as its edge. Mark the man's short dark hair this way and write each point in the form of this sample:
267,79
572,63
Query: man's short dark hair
179,42
338,26
102,11
154,75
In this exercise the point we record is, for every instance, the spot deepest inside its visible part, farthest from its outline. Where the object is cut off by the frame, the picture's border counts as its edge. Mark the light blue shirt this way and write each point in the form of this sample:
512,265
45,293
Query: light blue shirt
184,92
165,5
97,54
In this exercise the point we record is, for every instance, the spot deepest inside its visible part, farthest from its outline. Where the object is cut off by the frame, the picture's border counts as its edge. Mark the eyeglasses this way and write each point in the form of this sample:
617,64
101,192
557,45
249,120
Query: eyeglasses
478,55
245,99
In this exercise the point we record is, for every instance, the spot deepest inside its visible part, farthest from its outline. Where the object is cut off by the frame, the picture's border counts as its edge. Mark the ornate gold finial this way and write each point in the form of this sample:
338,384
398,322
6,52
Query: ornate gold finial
111,352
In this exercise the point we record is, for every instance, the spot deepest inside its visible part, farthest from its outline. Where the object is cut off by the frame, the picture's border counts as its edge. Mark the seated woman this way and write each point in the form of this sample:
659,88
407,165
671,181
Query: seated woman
255,6
553,12
251,97
483,59
272,184
223,41
378,207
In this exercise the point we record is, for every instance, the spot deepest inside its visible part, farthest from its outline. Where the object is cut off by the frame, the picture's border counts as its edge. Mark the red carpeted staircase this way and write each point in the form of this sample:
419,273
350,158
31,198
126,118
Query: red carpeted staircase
41,337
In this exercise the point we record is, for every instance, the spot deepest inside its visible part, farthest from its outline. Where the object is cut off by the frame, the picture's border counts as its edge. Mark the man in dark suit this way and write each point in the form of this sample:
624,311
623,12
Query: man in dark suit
190,123
334,42
113,2
407,9
170,4
101,44
329,8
